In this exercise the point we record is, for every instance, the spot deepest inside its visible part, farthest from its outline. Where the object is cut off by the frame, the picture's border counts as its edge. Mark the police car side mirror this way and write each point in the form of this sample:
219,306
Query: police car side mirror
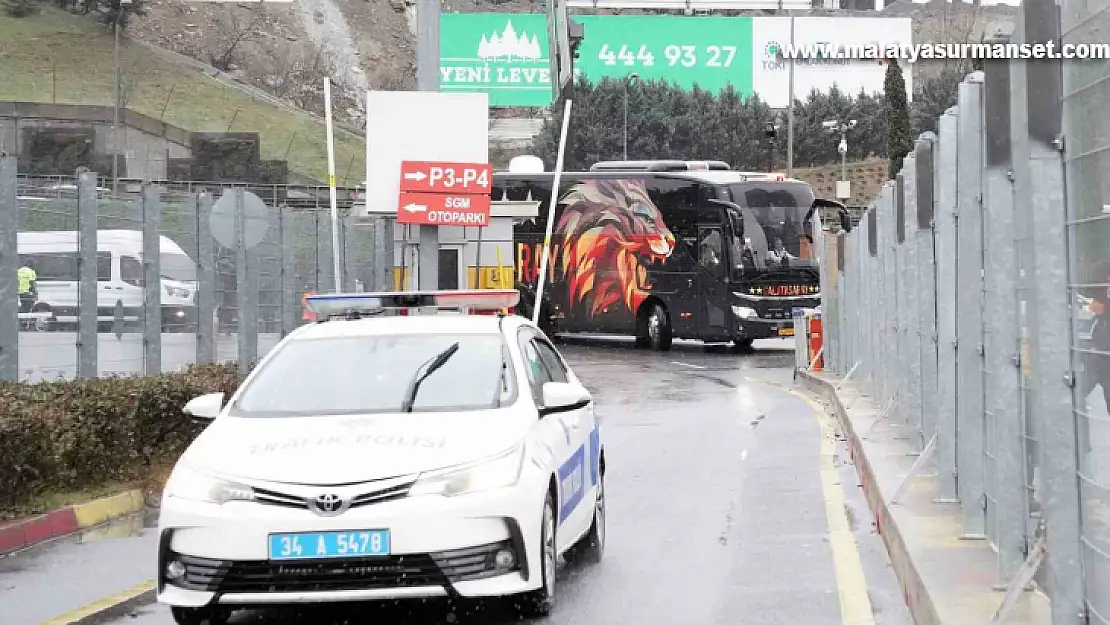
206,407
563,397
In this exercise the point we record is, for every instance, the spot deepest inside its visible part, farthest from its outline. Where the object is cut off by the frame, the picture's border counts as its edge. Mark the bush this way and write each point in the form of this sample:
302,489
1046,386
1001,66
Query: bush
17,8
65,436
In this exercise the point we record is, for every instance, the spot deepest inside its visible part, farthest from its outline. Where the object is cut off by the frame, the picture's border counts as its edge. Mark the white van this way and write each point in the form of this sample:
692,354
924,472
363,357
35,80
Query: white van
119,271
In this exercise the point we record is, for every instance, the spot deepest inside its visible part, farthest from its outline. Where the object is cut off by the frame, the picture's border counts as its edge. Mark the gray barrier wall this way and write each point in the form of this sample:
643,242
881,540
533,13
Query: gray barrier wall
969,300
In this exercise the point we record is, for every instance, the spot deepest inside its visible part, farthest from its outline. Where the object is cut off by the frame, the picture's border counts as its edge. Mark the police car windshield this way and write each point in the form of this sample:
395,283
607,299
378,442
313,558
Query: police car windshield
370,374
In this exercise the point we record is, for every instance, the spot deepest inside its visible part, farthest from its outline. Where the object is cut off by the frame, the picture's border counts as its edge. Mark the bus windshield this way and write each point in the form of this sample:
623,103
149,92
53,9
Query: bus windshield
773,232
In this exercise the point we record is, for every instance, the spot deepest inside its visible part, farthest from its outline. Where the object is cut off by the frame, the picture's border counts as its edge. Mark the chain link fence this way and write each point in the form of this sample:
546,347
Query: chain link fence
162,275
970,297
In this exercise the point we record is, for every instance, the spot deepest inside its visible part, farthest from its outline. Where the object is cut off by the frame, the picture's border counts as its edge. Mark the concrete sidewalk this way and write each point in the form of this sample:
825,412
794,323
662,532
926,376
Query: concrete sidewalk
945,580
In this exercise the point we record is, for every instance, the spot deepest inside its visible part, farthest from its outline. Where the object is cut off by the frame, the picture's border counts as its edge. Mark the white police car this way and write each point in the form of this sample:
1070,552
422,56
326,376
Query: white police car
387,453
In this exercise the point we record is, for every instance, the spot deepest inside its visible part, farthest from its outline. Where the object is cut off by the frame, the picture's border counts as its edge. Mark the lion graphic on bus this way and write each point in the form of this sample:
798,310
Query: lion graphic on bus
607,235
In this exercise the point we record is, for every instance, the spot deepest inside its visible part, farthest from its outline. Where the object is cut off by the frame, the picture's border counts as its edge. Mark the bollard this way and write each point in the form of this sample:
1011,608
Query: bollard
801,340
815,340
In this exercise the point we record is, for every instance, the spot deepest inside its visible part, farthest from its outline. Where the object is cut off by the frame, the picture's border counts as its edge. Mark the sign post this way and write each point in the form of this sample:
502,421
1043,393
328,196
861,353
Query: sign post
445,194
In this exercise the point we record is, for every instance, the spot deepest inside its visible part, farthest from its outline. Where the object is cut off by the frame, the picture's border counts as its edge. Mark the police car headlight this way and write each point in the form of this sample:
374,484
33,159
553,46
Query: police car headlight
500,471
188,483
744,313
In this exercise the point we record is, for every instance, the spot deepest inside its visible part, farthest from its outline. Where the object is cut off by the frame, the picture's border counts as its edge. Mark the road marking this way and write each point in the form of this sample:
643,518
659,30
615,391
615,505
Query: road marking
132,596
855,604
686,364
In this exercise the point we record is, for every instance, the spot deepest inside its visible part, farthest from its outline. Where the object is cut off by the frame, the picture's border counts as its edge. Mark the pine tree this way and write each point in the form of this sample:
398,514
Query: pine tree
898,140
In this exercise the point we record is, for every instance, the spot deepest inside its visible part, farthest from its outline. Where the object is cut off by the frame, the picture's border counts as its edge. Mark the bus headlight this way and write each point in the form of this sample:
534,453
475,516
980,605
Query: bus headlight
744,313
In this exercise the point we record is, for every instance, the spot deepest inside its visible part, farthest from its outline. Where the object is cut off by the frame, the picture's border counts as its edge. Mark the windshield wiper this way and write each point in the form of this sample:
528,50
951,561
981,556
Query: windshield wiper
422,373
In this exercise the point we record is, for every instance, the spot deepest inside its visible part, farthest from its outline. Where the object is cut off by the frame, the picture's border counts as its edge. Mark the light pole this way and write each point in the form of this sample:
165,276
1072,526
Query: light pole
115,109
842,127
627,82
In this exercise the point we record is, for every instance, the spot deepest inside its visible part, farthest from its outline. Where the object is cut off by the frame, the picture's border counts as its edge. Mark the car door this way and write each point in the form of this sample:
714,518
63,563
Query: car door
130,287
582,465
555,435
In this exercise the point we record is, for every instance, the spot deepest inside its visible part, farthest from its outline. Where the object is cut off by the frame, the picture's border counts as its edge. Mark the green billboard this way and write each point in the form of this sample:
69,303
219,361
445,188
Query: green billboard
506,55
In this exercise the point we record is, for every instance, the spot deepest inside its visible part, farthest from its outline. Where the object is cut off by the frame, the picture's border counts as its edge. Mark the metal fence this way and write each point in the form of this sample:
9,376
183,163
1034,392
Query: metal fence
964,301
162,275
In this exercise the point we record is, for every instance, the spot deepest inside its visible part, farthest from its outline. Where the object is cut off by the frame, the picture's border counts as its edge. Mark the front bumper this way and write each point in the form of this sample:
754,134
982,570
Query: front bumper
774,315
440,546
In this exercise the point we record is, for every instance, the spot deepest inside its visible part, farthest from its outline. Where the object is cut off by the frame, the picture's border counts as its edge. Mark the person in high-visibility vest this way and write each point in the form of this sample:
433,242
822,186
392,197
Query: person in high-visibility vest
28,286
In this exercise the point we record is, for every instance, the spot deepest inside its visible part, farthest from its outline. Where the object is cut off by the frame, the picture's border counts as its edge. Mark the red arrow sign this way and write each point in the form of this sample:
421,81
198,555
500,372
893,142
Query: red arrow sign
437,177
437,209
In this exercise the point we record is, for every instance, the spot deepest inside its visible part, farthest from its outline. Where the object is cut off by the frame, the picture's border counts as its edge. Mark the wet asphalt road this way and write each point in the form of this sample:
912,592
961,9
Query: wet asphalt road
716,514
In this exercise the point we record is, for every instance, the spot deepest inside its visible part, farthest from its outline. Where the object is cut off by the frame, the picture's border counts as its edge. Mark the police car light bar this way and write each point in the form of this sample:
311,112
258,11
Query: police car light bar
340,304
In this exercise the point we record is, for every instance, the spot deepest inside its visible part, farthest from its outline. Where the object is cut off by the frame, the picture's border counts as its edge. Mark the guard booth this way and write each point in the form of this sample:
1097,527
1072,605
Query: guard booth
468,257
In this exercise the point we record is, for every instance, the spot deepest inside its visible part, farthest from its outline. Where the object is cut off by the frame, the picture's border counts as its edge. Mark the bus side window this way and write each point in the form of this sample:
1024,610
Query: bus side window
677,202
708,212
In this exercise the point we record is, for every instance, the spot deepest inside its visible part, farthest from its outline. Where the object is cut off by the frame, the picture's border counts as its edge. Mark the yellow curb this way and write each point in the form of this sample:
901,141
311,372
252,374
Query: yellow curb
108,607
107,508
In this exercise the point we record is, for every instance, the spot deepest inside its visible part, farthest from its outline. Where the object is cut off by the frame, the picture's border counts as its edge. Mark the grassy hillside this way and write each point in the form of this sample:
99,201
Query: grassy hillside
68,59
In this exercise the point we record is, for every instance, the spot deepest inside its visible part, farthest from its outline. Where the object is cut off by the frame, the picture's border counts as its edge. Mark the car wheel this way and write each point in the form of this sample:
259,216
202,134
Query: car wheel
540,601
591,546
659,328
200,616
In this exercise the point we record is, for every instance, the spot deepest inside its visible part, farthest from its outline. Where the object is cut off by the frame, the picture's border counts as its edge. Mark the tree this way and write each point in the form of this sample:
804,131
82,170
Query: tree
935,95
667,121
899,141
234,28
17,8
114,12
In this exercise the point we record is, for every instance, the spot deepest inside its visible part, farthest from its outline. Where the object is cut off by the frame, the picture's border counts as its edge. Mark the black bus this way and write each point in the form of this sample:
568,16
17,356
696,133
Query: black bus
668,249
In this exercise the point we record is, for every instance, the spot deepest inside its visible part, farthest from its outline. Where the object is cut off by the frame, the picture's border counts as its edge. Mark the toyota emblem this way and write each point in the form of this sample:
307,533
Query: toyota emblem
328,504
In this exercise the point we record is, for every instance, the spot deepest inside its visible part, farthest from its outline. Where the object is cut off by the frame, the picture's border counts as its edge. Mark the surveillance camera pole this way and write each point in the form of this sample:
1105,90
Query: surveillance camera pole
841,126
843,151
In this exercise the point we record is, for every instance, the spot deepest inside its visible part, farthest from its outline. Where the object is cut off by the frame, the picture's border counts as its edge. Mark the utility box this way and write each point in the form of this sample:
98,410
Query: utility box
843,189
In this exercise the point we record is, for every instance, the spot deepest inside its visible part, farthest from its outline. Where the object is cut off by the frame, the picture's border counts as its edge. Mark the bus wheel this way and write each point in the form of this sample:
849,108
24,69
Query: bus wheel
743,346
658,328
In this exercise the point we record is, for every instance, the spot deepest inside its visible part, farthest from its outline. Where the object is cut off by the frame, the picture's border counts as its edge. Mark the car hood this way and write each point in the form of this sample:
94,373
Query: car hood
332,450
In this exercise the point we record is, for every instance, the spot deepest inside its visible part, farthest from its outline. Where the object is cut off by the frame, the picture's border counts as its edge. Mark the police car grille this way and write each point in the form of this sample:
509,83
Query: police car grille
314,575
279,499
286,500
379,496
